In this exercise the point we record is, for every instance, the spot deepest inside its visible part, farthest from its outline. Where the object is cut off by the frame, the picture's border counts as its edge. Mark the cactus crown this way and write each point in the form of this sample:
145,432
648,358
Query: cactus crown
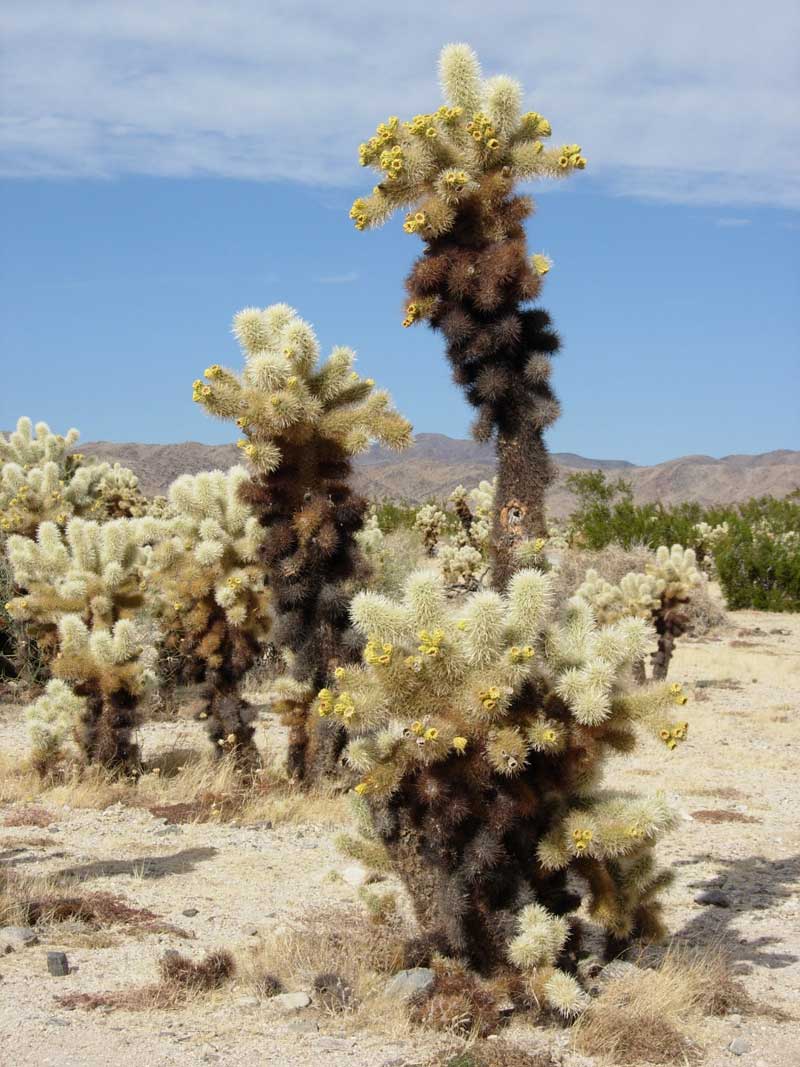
286,396
436,161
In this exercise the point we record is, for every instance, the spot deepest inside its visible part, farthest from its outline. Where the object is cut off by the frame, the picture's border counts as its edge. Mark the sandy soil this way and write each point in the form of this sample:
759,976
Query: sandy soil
735,780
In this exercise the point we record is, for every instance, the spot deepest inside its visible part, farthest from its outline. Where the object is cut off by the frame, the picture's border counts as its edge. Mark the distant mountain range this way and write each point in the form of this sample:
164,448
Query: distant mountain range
436,464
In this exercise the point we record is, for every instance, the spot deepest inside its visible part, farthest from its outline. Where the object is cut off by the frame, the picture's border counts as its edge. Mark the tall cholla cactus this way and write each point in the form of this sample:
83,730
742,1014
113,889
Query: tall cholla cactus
41,481
659,596
455,169
85,583
479,731
119,495
302,420
210,592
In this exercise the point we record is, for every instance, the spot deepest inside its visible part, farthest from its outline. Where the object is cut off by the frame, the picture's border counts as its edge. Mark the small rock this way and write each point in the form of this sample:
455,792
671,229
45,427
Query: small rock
735,1019
52,829
13,938
406,985
713,896
190,912
739,1046
57,964
166,831
506,1008
288,1002
355,875
250,931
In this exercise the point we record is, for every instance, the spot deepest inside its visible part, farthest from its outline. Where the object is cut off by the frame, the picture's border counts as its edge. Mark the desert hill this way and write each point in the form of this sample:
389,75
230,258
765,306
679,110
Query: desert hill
435,464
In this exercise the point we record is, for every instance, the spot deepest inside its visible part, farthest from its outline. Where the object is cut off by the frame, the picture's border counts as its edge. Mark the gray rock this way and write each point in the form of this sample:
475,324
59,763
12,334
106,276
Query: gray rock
713,896
739,1046
190,912
13,938
57,964
406,985
289,1002
249,930
355,875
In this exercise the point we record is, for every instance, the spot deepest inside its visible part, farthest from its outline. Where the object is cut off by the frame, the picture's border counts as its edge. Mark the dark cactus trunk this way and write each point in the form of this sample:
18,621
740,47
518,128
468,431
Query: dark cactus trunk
311,515
105,731
473,285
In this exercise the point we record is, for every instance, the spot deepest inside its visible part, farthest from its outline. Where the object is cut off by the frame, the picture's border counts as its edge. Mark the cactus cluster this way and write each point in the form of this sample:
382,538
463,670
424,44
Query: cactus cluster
212,602
431,523
659,595
83,586
464,557
456,169
479,730
302,419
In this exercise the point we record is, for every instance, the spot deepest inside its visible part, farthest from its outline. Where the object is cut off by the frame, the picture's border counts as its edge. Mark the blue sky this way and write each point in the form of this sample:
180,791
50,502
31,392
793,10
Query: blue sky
164,165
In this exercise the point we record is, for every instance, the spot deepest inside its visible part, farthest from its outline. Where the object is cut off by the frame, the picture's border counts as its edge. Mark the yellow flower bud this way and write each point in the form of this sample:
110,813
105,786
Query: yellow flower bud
459,743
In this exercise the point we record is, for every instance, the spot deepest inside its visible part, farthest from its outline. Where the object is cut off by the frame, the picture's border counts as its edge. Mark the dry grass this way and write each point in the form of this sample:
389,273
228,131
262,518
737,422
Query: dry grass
713,815
497,1053
339,954
32,816
27,900
180,981
179,785
460,1002
650,1016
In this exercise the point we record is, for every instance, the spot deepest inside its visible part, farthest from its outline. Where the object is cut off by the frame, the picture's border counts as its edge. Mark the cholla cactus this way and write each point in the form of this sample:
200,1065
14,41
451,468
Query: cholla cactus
119,495
479,731
657,596
431,522
41,480
464,558
213,605
84,584
455,170
302,420
52,721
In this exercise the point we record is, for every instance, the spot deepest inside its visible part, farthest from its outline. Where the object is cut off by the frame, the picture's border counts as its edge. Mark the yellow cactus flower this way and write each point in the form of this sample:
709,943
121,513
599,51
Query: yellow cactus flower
339,672
541,264
459,744
361,788
417,727
214,371
431,733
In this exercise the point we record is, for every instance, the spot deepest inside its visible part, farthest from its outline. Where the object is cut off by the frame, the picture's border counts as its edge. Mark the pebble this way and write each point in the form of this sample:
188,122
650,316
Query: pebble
190,912
13,938
288,1002
412,983
355,875
713,896
739,1046
57,964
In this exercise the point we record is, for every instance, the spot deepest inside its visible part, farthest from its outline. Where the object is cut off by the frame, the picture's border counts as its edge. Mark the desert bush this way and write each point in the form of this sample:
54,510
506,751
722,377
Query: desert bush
302,421
753,548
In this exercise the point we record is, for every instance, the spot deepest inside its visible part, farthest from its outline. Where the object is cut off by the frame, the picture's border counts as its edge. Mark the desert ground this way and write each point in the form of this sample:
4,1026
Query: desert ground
264,875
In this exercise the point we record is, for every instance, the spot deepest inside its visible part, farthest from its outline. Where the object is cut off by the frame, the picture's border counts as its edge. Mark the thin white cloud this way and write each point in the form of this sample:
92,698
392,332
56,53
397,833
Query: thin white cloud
689,103
732,222
338,279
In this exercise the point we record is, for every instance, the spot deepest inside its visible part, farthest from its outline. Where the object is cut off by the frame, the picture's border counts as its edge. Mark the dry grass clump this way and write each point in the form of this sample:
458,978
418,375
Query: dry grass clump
27,900
180,785
342,957
180,980
497,1053
30,816
459,1003
649,1016
714,815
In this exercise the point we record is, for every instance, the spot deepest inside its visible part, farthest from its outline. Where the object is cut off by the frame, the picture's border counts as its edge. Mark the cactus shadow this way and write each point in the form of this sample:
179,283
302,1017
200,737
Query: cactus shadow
141,867
751,885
